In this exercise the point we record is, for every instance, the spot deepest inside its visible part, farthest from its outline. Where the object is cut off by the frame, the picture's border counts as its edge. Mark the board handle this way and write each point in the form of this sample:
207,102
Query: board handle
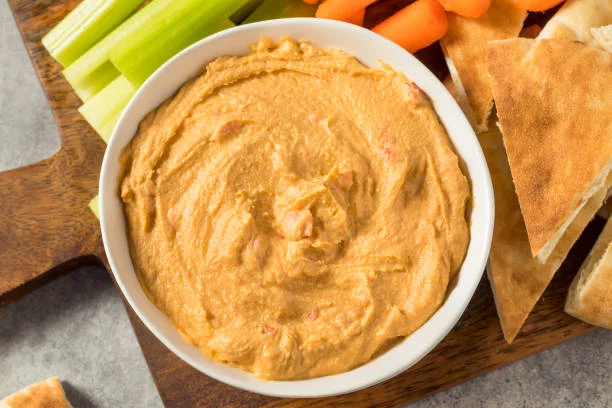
45,230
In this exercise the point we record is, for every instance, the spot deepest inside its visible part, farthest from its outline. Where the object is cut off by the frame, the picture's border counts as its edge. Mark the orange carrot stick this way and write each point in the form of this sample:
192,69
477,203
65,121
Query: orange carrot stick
357,18
537,5
341,9
466,8
416,26
310,1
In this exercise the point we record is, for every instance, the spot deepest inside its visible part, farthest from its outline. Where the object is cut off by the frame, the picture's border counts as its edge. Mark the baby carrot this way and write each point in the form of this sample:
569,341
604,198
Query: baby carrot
537,5
341,9
466,8
357,18
416,26
310,1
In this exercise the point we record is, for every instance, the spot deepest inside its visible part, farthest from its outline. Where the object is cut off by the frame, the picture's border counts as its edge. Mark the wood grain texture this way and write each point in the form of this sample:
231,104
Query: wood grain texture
46,229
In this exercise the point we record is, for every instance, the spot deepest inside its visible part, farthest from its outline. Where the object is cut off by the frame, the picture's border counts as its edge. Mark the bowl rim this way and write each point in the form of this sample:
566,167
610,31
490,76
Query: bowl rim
387,364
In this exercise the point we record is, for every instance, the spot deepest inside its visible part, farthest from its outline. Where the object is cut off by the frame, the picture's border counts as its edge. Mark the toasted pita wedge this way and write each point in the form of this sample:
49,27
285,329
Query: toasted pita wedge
448,84
575,19
465,46
44,394
590,295
557,129
603,37
517,279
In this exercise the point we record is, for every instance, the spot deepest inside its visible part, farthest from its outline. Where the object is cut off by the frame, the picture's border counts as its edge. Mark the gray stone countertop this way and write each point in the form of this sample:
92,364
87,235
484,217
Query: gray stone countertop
76,327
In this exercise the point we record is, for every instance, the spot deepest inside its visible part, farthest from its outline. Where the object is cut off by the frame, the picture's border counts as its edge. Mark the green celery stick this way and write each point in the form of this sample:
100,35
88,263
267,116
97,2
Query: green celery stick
96,81
239,16
84,26
138,69
184,23
103,110
273,9
94,206
106,130
89,74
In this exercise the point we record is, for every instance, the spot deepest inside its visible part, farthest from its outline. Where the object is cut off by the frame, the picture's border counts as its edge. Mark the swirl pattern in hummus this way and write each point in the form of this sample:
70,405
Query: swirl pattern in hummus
293,212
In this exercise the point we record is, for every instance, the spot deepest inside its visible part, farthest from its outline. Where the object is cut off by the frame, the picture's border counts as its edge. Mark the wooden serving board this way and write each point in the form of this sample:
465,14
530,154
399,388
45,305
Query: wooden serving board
46,230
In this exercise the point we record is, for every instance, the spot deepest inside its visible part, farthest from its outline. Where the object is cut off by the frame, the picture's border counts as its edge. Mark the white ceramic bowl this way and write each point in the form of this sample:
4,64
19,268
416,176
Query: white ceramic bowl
370,49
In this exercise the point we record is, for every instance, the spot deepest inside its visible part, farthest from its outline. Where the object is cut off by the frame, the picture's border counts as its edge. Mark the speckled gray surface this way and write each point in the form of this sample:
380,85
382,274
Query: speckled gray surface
76,327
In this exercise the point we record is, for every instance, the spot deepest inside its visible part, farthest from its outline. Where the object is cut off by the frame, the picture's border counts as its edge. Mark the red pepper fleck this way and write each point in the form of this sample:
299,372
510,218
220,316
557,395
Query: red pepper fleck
268,329
347,175
228,129
418,89
313,314
385,146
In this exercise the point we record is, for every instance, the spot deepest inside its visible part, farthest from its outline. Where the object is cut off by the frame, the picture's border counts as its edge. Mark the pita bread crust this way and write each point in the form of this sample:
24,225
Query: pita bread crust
44,394
546,111
517,279
450,86
590,295
603,37
465,48
575,19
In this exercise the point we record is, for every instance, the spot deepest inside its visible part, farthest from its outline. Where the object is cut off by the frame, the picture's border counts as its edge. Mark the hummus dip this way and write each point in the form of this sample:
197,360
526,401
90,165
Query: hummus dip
294,212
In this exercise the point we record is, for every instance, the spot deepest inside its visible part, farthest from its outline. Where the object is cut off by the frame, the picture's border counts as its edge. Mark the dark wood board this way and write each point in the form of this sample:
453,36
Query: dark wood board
46,230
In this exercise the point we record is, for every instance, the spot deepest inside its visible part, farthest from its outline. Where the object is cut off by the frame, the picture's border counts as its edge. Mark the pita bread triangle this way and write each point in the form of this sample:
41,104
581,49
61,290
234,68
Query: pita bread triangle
43,394
590,294
517,279
554,103
576,19
603,37
465,51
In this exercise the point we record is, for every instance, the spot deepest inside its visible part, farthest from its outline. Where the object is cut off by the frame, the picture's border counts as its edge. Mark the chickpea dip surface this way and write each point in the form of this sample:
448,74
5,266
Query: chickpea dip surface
294,212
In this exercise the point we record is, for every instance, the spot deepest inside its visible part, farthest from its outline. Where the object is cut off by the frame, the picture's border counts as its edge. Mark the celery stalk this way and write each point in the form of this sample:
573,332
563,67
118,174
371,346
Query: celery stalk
94,206
183,23
96,81
103,110
89,74
106,130
273,9
239,16
138,65
84,26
